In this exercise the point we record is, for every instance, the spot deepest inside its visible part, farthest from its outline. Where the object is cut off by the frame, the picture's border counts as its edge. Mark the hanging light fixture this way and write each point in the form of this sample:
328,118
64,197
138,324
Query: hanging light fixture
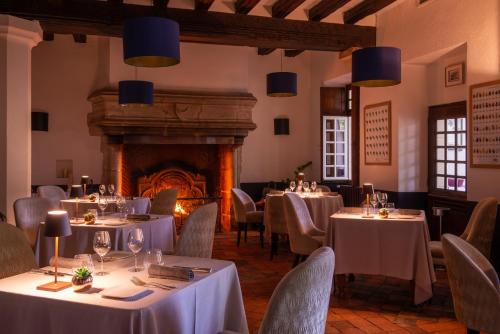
151,42
135,92
281,84
376,67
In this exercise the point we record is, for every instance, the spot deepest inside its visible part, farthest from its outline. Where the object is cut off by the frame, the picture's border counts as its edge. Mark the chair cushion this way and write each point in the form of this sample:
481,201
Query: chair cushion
255,217
436,249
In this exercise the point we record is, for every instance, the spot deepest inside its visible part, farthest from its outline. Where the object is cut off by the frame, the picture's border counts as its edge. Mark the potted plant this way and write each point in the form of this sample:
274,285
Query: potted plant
383,213
93,197
82,279
89,218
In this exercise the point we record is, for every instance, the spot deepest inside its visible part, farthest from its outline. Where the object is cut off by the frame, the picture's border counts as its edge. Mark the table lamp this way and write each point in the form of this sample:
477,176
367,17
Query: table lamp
76,192
56,225
84,181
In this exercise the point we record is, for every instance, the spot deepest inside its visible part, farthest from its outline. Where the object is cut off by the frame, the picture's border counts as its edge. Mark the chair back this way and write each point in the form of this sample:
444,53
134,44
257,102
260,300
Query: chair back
197,233
141,205
299,304
29,212
352,196
274,214
16,255
164,202
323,188
242,203
54,194
474,285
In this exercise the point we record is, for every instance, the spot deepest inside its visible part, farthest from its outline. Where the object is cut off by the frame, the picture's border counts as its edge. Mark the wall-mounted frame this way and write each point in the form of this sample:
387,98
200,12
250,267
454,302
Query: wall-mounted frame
377,121
484,120
454,75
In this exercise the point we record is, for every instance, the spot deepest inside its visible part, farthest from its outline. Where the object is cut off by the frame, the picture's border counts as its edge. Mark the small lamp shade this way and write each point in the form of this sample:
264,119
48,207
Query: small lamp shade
57,224
376,67
281,126
39,121
151,42
282,84
84,180
135,92
76,191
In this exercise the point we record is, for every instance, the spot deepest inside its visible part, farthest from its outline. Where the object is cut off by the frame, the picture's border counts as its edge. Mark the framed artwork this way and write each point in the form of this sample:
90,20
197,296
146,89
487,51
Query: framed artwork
378,134
454,75
484,120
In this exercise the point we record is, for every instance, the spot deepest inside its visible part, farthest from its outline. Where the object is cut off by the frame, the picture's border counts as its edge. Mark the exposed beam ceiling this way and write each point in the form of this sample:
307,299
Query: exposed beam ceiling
324,8
244,6
365,8
264,51
203,4
293,53
105,19
79,38
159,3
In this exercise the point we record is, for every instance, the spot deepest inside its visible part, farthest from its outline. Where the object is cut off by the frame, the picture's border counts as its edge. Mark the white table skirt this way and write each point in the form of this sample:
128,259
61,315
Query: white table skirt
158,233
209,304
390,247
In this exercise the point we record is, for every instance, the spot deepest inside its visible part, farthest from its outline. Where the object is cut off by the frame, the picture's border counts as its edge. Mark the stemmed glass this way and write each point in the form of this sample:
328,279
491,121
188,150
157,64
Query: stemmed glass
102,203
374,201
382,198
313,186
120,204
306,186
102,245
102,189
293,185
135,242
111,189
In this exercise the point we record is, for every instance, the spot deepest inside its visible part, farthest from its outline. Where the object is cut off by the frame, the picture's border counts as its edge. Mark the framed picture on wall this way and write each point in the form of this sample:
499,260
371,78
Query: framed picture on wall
454,75
484,120
378,133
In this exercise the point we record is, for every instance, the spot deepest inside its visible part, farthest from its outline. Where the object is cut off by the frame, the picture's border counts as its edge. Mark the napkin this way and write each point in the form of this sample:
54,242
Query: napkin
138,217
183,274
65,262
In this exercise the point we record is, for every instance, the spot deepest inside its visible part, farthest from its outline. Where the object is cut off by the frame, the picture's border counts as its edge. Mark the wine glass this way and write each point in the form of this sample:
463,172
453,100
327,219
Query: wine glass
102,245
111,189
153,256
374,201
305,185
313,186
382,198
293,185
102,189
102,203
135,242
120,204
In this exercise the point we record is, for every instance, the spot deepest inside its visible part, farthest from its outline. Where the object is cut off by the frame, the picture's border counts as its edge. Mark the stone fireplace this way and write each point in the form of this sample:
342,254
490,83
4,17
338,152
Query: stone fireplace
187,140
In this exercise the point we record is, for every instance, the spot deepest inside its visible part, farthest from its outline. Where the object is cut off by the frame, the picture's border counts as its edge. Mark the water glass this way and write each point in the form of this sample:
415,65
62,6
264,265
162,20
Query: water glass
153,256
374,201
135,242
102,189
102,245
102,203
84,260
313,186
120,204
390,207
305,185
382,198
111,189
293,185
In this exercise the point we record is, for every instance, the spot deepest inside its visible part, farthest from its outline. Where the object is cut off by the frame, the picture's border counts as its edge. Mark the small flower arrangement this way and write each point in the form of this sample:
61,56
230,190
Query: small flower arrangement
82,279
383,213
89,218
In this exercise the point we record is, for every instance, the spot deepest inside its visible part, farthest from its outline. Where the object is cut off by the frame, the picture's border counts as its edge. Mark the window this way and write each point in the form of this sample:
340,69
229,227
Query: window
336,147
348,99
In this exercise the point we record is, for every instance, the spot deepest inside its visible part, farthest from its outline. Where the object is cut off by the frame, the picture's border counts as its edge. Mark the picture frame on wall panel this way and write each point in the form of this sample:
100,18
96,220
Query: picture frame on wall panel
454,75
378,143
484,122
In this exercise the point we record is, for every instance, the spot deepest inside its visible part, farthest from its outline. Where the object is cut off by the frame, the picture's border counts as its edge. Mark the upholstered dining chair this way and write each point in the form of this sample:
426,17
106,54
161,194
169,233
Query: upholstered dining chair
16,255
299,304
164,202
478,232
274,221
474,285
323,188
54,194
197,233
246,213
29,212
305,238
141,205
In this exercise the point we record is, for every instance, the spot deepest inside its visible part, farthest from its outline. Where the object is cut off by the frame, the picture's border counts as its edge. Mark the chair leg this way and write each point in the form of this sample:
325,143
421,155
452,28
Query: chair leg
246,231
296,260
239,235
261,229
472,331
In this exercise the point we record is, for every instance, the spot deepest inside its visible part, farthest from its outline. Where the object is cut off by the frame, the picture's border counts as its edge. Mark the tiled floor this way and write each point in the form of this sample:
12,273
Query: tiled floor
373,304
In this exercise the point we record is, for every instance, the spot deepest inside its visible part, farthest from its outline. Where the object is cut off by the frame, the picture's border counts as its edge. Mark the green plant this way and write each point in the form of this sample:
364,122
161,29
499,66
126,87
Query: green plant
2,217
82,273
88,216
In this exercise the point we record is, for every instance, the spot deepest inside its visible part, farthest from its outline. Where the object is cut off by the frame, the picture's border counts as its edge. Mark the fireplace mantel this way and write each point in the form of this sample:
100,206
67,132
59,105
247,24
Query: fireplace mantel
177,117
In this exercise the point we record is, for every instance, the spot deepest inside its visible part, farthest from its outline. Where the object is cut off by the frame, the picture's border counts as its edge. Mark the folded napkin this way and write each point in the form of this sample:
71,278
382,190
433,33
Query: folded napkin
178,273
65,262
138,217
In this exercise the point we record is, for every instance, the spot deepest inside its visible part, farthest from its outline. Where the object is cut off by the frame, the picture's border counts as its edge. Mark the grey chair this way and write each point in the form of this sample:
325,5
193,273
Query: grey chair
246,213
323,188
29,212
16,255
274,220
197,234
474,285
141,205
164,202
54,194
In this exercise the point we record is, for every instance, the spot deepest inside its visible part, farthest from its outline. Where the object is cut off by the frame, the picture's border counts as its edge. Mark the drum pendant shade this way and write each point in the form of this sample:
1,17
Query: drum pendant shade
151,42
376,67
282,84
135,92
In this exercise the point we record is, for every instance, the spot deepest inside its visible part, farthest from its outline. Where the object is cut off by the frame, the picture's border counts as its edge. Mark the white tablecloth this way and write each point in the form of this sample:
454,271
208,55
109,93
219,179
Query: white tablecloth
390,247
210,303
159,232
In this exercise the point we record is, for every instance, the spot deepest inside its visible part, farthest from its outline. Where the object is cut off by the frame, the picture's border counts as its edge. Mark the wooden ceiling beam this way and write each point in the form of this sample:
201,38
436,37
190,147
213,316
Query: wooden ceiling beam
363,9
79,38
283,8
159,3
293,53
48,36
203,5
264,51
244,6
324,8
105,19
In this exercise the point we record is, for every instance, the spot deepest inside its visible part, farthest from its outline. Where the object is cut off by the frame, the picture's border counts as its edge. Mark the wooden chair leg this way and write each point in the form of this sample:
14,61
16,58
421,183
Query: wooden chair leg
261,230
296,260
246,231
239,235
472,331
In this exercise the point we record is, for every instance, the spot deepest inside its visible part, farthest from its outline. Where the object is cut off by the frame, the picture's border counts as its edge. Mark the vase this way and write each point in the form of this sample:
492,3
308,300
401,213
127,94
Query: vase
81,284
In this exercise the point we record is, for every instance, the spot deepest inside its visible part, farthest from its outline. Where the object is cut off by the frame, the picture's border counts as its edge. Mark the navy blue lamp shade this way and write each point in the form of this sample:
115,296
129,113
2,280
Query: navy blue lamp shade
135,92
57,224
282,84
376,67
151,42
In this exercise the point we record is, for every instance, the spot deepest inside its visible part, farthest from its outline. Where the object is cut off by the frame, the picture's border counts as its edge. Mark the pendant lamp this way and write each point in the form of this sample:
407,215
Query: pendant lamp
151,42
281,84
135,92
376,67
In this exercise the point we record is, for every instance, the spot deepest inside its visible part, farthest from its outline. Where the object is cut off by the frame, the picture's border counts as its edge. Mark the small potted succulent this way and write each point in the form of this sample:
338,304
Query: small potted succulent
383,213
92,197
82,279
89,218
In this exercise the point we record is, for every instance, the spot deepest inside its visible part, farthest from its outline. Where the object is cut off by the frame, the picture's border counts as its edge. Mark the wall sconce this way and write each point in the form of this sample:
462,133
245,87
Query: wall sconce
281,126
39,121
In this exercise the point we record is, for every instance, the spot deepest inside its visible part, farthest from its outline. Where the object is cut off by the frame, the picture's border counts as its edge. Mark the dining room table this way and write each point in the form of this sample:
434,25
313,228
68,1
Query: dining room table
396,246
210,303
159,233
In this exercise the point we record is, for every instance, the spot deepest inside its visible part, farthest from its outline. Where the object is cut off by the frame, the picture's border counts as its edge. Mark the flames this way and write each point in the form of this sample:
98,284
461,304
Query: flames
179,209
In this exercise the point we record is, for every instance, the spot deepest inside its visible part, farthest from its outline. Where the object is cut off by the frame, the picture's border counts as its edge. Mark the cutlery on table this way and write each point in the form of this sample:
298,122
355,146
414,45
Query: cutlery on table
137,281
48,272
196,269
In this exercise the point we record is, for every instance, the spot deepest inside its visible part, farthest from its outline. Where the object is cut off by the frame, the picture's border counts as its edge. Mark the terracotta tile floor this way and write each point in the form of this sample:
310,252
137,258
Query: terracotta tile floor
373,304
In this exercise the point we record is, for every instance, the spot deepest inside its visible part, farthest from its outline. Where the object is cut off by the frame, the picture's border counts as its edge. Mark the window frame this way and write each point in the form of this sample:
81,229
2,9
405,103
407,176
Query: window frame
347,142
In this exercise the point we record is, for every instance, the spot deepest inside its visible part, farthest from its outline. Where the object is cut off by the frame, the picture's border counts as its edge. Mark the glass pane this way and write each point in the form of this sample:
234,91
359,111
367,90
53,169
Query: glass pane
450,124
330,124
440,154
450,154
330,172
340,148
440,125
461,154
461,184
330,136
340,124
349,105
340,172
440,140
450,139
329,160
461,139
330,148
340,160
440,168
340,135
450,183
461,169
440,182
450,168
461,124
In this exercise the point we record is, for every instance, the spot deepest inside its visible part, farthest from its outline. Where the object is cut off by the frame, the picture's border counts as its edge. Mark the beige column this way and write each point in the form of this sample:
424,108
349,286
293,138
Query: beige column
17,38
